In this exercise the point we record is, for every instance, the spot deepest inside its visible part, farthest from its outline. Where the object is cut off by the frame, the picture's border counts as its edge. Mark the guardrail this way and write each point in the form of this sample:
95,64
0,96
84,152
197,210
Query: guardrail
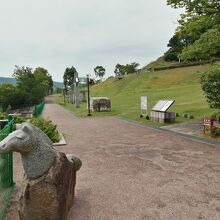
38,109
6,172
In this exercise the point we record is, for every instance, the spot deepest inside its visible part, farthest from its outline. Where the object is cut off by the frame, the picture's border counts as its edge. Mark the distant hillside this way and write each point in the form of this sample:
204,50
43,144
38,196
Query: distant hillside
58,84
7,80
13,81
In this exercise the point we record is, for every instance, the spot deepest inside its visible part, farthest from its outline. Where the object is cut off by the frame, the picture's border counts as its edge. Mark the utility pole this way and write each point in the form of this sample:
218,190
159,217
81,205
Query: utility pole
88,98
76,91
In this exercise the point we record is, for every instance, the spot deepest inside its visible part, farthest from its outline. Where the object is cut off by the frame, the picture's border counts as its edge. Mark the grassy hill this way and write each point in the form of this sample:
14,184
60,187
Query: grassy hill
181,84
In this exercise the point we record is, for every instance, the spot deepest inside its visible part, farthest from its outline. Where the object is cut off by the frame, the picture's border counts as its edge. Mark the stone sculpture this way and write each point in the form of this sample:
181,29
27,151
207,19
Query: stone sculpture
48,186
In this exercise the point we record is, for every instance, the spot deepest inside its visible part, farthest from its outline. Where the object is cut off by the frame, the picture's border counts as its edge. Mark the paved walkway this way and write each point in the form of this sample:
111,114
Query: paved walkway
132,172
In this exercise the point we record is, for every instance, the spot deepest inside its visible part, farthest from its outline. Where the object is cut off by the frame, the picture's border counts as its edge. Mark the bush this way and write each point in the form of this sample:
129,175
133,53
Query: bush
18,120
216,116
215,131
47,127
210,83
2,116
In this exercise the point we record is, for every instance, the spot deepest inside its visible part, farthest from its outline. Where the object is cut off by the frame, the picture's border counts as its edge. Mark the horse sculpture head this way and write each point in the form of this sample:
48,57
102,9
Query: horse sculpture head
35,147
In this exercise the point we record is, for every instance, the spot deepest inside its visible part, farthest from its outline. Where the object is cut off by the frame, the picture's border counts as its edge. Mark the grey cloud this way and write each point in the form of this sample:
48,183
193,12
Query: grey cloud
84,33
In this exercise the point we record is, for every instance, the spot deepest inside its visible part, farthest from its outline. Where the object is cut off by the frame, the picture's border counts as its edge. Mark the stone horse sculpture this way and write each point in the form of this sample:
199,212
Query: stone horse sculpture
48,187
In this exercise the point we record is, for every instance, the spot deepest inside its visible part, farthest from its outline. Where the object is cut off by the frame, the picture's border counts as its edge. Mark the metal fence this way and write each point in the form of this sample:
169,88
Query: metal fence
38,109
6,173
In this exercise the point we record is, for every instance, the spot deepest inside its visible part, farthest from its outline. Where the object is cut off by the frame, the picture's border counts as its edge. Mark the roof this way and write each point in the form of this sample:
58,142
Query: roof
163,105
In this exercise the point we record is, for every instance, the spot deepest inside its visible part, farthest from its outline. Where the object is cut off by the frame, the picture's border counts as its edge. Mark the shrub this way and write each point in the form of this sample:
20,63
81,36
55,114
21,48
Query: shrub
47,127
215,131
18,120
216,116
210,83
2,116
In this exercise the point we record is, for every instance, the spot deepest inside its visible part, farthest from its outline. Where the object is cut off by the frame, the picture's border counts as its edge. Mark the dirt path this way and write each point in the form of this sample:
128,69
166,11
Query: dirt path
132,172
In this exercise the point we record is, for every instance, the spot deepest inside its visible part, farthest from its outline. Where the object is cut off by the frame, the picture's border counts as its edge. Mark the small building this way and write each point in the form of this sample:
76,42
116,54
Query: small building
159,112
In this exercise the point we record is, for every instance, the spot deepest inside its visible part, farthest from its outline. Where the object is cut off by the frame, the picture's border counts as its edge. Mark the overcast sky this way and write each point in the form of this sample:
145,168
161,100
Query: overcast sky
56,34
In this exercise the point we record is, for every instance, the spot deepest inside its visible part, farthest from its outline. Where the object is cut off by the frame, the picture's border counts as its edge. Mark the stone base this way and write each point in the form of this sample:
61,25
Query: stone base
51,196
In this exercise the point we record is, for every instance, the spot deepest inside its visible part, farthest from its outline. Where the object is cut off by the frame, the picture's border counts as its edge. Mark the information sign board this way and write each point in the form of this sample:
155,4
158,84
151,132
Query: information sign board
143,102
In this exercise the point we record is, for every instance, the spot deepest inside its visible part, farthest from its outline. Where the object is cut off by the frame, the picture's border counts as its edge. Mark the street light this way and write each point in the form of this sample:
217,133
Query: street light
88,98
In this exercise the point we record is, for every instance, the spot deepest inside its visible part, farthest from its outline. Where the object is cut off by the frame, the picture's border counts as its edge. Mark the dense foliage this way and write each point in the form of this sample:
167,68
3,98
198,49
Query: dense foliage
47,127
210,83
99,71
198,34
32,86
69,76
126,69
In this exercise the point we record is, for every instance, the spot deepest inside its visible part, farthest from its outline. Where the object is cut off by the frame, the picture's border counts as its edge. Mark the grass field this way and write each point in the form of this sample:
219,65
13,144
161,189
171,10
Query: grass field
181,84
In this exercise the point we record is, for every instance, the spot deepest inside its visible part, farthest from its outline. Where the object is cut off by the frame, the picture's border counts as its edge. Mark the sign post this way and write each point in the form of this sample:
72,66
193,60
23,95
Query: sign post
207,122
144,106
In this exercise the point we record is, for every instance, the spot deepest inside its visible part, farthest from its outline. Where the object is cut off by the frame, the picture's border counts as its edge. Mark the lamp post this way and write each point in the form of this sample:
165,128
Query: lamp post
88,98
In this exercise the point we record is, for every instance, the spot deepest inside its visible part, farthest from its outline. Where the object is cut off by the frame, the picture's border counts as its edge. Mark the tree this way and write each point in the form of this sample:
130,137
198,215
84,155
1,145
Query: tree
200,20
68,76
131,68
42,75
199,7
10,95
99,71
126,69
207,46
35,85
119,70
210,83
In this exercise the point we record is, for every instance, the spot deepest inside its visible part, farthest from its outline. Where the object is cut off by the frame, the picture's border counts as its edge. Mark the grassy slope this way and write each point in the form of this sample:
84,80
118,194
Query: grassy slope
180,84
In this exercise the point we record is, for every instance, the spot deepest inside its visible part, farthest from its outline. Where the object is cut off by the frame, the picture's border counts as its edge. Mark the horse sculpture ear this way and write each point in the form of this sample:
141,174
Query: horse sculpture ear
25,128
20,135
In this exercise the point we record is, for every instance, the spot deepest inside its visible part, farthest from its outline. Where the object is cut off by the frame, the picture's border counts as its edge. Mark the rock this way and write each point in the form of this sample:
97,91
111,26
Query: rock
50,196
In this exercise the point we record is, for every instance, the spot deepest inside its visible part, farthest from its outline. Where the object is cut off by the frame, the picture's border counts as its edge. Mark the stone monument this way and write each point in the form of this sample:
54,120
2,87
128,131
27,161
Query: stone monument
47,190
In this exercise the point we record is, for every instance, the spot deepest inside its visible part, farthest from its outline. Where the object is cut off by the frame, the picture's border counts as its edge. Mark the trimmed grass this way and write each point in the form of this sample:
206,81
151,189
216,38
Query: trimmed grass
180,84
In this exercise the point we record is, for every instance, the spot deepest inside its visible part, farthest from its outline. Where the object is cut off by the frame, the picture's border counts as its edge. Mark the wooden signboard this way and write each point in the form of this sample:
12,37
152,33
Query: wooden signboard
207,122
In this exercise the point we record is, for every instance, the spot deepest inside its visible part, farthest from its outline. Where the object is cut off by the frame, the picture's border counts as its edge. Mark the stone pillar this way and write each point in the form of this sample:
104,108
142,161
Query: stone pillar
51,196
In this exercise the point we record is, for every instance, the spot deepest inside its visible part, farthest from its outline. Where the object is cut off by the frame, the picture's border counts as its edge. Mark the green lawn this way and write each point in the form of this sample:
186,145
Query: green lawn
180,84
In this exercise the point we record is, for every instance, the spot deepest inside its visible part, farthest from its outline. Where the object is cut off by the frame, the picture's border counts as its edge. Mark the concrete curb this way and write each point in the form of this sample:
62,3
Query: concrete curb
61,142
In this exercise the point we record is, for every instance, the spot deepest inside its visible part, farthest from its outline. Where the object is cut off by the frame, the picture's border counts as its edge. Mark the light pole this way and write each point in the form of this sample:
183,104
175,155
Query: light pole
88,98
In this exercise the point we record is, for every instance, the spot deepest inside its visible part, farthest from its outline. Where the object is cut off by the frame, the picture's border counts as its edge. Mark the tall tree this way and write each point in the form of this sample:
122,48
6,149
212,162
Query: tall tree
42,75
119,70
99,71
68,76
199,22
34,84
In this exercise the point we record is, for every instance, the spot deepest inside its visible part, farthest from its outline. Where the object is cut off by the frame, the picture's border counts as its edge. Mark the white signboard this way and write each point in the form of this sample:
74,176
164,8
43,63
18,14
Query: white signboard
143,102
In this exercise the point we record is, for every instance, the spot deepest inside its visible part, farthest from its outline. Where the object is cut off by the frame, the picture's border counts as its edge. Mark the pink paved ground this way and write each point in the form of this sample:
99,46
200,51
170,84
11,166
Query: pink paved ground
131,172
